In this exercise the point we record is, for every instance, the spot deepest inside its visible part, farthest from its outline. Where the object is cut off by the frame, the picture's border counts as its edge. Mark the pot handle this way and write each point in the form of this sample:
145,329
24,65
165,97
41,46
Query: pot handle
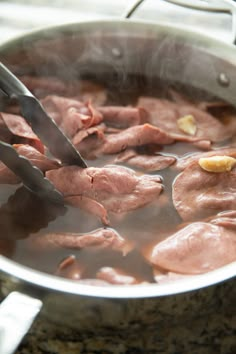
17,313
216,18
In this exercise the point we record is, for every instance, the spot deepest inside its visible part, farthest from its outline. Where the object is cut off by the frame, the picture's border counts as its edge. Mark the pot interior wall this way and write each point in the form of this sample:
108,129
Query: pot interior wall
115,53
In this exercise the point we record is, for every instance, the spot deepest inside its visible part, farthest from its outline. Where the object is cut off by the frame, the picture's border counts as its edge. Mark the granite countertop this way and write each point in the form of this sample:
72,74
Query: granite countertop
209,331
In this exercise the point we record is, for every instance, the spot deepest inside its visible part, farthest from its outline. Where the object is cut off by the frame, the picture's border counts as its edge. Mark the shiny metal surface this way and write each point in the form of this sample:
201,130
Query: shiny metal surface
137,47
173,55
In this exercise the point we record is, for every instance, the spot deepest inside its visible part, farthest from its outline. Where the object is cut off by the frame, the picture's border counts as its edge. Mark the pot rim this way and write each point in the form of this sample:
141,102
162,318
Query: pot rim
62,285
51,282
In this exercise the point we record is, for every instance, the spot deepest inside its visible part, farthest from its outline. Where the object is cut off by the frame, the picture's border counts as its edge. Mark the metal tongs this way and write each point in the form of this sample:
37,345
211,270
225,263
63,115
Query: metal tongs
46,129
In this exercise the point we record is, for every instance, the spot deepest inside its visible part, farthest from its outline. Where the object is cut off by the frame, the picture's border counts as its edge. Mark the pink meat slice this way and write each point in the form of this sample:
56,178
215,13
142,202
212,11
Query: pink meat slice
116,276
136,136
186,161
70,268
197,248
164,114
70,114
123,117
226,219
20,128
37,159
90,205
117,188
145,162
81,135
103,238
197,193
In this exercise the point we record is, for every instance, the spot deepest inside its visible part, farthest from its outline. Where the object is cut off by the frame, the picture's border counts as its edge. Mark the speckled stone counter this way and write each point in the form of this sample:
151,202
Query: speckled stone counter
209,331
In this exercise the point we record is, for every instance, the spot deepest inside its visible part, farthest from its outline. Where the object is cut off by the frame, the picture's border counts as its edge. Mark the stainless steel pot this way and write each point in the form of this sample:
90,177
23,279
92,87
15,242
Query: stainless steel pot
173,53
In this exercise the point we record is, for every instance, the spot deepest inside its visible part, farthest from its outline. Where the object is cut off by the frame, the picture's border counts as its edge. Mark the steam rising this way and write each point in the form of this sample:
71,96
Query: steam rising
110,52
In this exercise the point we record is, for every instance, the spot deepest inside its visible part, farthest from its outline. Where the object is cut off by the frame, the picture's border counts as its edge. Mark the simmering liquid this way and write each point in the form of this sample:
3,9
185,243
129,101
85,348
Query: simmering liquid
24,218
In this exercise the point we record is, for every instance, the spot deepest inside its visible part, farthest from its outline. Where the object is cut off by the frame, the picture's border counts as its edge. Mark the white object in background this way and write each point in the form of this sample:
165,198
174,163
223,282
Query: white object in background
17,313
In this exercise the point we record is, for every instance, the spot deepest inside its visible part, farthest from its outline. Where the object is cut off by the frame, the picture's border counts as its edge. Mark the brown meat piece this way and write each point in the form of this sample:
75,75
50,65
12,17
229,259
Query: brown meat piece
21,129
116,276
97,239
117,188
123,117
70,114
198,193
197,248
34,156
135,136
145,162
164,114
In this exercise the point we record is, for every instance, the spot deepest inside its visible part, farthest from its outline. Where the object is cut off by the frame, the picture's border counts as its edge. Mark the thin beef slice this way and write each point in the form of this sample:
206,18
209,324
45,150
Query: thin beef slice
103,238
34,156
136,136
22,131
197,248
197,193
164,114
186,161
123,117
117,188
145,162
70,114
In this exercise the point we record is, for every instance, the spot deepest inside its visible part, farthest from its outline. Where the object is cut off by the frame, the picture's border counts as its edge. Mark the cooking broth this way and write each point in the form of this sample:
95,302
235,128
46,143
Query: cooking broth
25,219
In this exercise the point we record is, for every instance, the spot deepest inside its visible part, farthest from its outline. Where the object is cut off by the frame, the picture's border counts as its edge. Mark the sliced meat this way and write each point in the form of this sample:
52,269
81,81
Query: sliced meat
123,117
70,268
34,156
97,239
117,188
145,162
90,205
198,193
20,128
197,248
164,114
70,114
97,131
135,136
226,219
116,276
185,161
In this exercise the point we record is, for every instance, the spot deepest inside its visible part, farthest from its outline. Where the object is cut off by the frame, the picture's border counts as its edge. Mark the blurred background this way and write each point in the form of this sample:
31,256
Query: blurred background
19,16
